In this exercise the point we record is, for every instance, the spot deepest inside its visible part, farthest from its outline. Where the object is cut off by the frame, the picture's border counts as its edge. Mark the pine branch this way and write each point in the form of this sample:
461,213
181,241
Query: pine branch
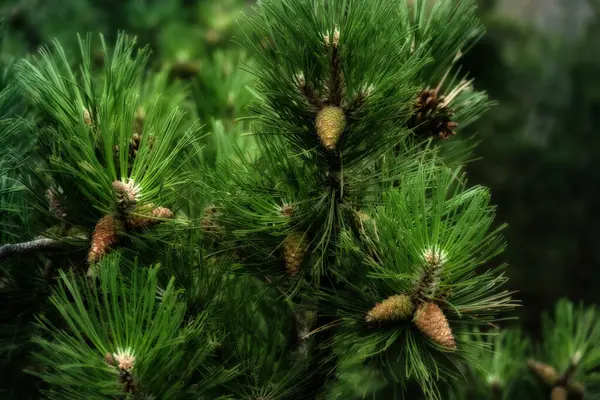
33,246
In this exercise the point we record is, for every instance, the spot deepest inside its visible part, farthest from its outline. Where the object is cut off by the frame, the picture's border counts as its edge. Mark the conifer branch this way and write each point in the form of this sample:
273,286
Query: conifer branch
336,90
309,93
563,380
33,246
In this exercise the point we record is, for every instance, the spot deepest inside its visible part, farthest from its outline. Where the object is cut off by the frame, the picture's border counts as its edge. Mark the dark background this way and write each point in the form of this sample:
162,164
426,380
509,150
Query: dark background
540,146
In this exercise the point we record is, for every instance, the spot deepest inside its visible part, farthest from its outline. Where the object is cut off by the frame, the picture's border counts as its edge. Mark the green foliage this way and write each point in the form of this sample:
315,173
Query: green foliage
513,367
326,245
83,156
431,212
295,52
571,336
504,372
125,335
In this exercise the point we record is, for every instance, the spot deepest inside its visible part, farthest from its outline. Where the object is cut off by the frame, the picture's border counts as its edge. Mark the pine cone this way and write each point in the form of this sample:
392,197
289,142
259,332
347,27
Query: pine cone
294,251
330,123
106,235
545,372
432,322
559,393
395,308
431,117
147,216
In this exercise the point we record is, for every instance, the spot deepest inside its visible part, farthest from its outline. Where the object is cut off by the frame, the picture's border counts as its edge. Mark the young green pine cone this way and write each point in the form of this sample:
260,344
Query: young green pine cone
545,372
395,308
294,251
432,322
330,123
106,235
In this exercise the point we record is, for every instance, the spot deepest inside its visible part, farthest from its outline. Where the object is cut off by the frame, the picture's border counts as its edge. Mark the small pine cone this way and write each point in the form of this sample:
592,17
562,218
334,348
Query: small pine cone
330,123
106,235
427,102
432,322
147,216
294,251
447,129
126,194
395,308
559,393
432,116
545,372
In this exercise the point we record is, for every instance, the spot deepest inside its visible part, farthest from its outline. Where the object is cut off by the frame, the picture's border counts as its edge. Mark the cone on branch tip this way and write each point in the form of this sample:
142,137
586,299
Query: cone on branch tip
395,308
431,321
330,123
294,252
432,117
105,237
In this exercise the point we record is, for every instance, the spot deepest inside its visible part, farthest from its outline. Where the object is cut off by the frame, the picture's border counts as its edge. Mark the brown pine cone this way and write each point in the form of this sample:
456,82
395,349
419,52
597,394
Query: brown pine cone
395,308
105,237
431,321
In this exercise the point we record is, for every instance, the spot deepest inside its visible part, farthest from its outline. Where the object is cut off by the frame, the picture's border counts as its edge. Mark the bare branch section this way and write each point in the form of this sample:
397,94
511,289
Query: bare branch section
32,246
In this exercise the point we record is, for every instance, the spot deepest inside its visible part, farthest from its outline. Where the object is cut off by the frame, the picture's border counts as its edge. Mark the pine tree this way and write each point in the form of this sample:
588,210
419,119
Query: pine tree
151,250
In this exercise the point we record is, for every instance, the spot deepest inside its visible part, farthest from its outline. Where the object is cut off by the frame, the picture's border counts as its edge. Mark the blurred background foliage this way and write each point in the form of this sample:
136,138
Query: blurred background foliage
539,146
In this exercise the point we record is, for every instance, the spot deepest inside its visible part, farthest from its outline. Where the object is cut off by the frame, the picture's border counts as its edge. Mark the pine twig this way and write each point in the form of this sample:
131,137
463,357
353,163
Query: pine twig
32,246
564,379
497,392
